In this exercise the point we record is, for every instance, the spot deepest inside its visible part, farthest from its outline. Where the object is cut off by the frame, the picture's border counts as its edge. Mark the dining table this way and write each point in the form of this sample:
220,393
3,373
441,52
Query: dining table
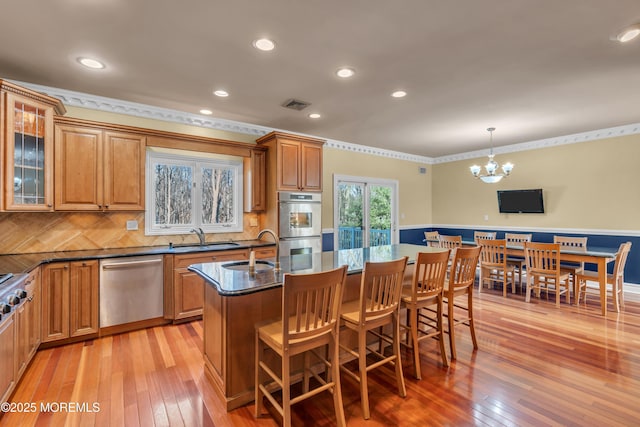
600,256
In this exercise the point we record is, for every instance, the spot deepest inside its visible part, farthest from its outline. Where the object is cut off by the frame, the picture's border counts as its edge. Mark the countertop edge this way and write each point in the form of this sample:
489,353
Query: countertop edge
30,261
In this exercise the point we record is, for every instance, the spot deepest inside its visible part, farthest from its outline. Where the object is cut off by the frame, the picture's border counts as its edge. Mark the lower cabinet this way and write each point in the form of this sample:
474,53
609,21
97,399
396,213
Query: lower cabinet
188,287
7,355
70,300
28,323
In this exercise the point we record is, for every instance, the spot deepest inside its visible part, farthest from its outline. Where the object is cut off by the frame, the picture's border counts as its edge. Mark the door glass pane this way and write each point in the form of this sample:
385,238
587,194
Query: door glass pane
379,210
28,154
350,217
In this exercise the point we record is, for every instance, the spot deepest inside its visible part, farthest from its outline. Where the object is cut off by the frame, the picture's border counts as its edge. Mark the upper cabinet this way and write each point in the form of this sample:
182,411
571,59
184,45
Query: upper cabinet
255,197
297,160
96,169
26,147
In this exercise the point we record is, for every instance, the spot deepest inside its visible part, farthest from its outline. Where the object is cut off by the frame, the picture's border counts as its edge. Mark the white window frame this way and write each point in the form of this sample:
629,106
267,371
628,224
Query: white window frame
196,161
366,181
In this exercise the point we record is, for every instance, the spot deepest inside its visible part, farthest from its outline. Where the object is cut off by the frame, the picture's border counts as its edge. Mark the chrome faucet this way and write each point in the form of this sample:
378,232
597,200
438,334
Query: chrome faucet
200,234
275,238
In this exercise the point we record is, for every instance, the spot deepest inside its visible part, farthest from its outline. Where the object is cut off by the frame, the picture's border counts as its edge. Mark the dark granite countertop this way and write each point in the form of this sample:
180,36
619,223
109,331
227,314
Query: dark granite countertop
230,281
23,263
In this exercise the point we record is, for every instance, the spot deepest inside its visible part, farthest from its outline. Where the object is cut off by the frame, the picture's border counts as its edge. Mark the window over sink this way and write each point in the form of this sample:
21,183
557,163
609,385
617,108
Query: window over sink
187,190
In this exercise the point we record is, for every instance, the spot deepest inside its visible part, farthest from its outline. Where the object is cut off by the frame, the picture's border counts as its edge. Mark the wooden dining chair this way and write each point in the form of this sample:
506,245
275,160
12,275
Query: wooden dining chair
517,239
310,320
460,286
483,235
377,306
431,238
543,271
425,293
450,242
493,265
573,268
615,281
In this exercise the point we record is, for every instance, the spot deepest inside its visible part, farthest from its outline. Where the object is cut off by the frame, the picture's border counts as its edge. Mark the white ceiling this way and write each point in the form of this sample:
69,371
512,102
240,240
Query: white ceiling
532,69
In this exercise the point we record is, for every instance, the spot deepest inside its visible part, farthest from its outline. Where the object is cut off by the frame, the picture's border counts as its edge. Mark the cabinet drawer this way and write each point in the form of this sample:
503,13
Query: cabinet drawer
269,252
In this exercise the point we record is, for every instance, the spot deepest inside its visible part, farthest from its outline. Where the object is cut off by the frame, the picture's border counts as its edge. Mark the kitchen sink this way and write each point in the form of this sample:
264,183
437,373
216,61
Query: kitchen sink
244,266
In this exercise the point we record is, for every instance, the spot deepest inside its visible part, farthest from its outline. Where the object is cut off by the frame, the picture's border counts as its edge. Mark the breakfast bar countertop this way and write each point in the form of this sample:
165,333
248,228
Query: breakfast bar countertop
231,281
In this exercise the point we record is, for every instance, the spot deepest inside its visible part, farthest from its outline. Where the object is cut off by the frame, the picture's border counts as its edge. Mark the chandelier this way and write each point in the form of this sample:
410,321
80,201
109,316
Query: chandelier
491,177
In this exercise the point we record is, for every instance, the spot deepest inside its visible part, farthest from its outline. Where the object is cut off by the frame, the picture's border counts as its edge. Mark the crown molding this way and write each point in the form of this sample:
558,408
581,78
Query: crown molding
575,138
94,102
363,149
110,105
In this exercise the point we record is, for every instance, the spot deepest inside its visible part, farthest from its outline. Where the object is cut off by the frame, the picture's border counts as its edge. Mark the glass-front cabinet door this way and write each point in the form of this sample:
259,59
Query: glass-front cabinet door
29,154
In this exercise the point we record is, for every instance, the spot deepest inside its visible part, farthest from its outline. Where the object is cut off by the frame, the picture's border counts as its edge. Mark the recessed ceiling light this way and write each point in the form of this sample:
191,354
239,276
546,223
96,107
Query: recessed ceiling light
264,44
345,72
221,93
314,116
629,33
206,112
399,94
91,63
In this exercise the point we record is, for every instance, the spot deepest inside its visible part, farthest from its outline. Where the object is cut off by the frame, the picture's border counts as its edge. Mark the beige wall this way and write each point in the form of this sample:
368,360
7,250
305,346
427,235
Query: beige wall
414,188
590,185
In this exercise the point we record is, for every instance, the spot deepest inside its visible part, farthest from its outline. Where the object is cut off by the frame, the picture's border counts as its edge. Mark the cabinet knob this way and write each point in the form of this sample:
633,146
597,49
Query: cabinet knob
99,206
106,206
49,205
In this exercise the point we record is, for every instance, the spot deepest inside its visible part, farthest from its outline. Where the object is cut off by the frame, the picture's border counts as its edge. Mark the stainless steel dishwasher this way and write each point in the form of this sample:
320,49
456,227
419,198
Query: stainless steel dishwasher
131,289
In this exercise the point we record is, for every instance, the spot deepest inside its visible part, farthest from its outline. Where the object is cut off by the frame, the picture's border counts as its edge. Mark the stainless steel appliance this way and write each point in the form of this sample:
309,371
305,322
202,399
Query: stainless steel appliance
299,214
131,289
300,225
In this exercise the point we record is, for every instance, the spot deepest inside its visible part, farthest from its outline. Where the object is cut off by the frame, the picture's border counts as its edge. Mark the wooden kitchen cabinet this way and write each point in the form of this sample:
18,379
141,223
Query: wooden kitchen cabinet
70,300
28,323
26,142
7,355
294,161
96,169
188,287
255,187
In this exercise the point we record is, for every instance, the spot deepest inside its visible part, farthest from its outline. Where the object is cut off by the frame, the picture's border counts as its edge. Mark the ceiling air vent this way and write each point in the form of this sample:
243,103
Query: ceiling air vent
295,104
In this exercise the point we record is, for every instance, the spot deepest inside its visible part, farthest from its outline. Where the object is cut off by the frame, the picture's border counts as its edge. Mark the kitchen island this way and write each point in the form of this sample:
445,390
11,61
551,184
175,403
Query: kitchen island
235,300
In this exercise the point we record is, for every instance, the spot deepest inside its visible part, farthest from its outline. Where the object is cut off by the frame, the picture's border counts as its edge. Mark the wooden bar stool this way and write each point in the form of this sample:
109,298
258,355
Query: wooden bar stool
377,306
310,309
430,271
460,284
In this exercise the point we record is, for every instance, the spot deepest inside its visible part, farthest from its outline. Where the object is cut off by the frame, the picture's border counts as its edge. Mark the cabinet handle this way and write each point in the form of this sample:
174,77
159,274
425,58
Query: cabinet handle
30,298
213,258
106,206
66,267
99,206
49,205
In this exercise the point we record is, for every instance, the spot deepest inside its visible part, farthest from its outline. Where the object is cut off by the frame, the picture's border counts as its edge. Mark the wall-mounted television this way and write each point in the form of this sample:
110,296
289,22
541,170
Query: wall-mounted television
520,201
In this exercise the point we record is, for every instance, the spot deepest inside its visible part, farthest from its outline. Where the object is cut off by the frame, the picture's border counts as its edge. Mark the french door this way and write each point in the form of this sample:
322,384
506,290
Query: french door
364,212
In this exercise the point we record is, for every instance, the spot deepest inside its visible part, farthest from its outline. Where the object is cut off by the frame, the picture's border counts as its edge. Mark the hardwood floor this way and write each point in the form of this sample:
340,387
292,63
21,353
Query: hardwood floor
536,365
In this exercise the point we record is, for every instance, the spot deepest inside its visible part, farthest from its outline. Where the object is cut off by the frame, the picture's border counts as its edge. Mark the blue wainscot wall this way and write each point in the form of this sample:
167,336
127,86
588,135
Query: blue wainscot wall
632,269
